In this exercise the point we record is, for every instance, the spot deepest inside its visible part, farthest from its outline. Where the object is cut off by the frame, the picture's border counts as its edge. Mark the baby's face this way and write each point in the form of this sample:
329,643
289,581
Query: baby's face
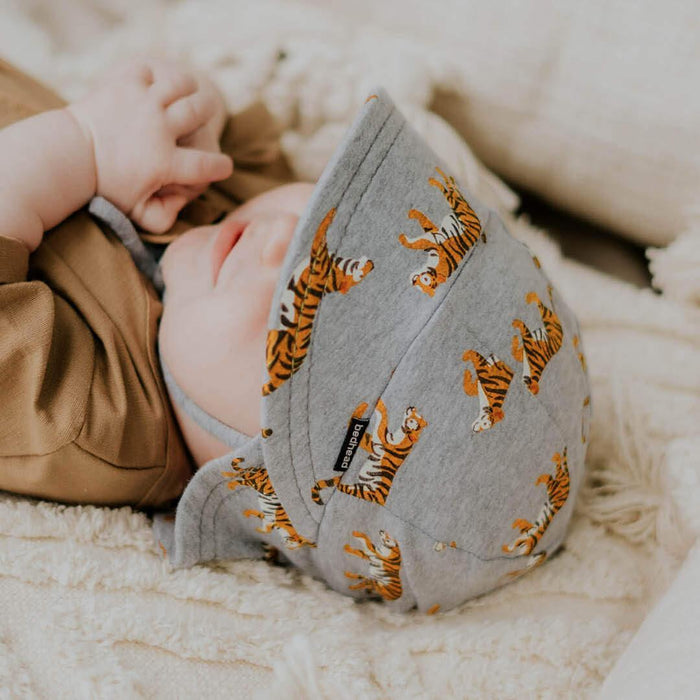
219,282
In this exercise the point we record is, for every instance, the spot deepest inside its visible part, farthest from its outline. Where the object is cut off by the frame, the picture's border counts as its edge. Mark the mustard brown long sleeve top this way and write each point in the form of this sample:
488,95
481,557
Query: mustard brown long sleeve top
84,413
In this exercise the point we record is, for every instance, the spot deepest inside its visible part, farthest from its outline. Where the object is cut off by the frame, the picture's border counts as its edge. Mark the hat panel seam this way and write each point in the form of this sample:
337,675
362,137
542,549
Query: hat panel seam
340,242
459,548
295,379
471,436
318,319
226,498
209,495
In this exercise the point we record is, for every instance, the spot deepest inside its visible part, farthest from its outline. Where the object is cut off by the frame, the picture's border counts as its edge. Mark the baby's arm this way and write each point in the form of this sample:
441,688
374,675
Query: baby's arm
46,173
121,141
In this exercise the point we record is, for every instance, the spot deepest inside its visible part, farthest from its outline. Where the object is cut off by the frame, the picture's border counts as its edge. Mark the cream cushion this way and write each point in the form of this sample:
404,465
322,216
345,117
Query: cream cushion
592,105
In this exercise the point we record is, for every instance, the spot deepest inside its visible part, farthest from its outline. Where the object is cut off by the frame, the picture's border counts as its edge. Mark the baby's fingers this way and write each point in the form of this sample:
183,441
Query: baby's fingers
193,167
190,113
158,213
170,83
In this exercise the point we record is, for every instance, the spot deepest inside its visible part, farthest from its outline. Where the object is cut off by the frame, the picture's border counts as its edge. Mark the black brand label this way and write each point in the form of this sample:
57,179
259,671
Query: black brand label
350,444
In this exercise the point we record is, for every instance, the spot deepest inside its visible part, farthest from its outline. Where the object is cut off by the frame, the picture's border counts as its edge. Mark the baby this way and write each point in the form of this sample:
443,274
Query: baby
377,383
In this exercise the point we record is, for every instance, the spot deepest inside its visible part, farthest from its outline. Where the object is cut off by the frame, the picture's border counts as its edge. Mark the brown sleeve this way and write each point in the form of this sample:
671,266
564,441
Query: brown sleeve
84,416
46,363
65,431
14,260
251,138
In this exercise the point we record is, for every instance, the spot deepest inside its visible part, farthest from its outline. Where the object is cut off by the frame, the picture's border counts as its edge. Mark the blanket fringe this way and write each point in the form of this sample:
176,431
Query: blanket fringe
675,268
629,492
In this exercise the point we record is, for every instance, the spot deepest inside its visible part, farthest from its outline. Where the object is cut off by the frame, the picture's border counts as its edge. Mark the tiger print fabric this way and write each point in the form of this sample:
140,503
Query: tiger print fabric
383,576
535,348
321,273
557,486
386,450
493,377
447,244
272,513
425,404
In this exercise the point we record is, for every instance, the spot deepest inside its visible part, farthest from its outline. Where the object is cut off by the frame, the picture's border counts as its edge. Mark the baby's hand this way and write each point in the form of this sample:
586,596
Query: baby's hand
206,138
141,123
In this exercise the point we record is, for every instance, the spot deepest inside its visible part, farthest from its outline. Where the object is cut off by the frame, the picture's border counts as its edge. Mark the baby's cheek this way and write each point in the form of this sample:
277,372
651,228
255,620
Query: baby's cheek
273,253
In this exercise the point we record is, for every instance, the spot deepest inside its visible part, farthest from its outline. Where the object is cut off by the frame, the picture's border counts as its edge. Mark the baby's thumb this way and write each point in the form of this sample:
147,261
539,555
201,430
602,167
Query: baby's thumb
158,213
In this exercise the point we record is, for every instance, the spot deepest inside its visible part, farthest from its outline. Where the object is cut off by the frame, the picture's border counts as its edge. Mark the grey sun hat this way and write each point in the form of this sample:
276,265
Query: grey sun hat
426,403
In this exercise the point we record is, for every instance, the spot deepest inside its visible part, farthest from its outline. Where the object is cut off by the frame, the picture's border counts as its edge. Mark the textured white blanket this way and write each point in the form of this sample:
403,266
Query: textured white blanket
89,608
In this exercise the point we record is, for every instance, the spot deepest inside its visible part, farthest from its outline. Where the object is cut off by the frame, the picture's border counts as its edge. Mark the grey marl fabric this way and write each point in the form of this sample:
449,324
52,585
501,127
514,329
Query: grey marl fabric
404,309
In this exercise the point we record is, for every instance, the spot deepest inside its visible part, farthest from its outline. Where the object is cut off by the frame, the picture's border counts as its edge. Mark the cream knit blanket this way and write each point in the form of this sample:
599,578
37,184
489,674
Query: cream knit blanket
89,607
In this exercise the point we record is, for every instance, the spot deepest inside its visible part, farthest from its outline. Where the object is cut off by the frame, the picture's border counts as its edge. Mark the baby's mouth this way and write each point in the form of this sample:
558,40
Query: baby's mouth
224,242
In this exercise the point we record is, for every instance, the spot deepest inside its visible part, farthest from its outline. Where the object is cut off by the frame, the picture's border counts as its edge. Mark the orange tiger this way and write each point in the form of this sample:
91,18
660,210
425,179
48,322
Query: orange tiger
538,346
321,273
271,511
586,402
387,452
581,357
557,492
448,244
384,564
493,377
